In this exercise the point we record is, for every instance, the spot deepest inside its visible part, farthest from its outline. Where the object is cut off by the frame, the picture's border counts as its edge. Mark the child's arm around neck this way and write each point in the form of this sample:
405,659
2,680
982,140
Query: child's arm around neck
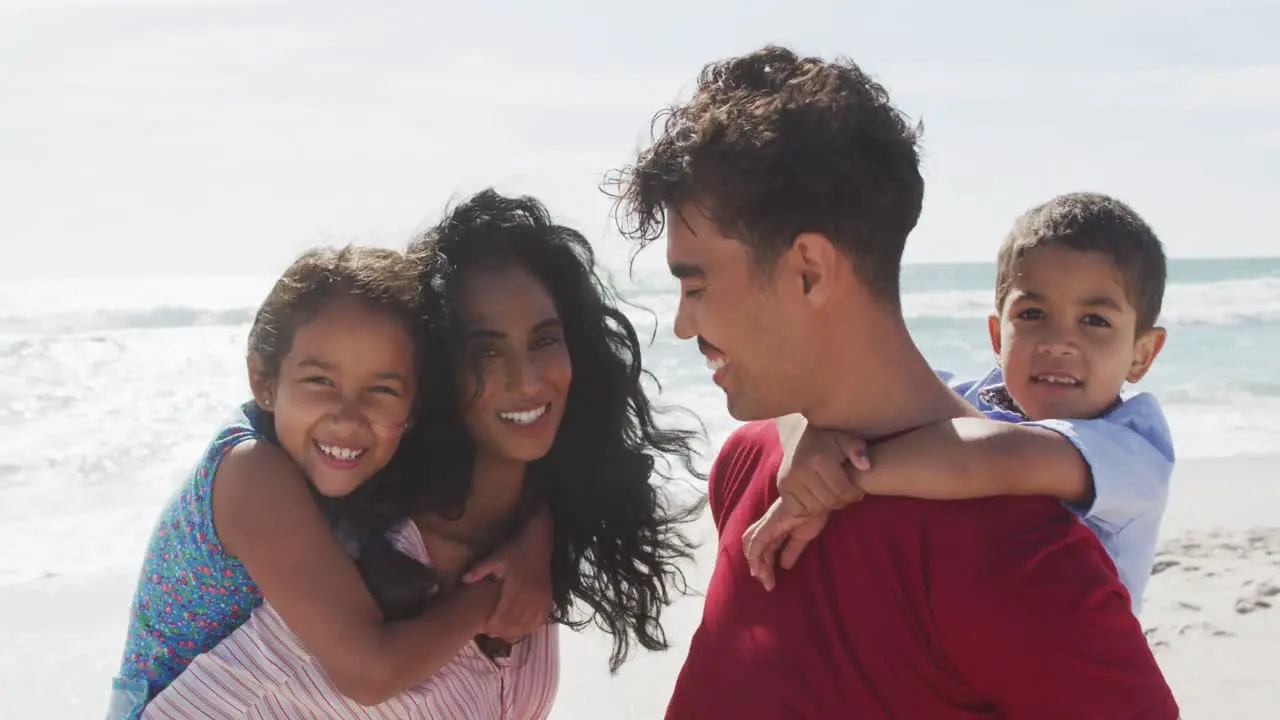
1110,469
978,457
264,516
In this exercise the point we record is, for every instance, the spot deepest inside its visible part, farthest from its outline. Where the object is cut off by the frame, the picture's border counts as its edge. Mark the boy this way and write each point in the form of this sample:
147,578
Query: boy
1080,280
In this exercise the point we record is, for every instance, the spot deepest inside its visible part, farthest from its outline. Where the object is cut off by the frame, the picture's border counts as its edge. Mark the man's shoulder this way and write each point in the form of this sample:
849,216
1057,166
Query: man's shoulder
742,458
753,432
997,541
746,445
965,536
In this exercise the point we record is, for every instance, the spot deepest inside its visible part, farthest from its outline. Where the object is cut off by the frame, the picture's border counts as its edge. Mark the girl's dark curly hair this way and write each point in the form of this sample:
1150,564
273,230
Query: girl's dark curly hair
618,543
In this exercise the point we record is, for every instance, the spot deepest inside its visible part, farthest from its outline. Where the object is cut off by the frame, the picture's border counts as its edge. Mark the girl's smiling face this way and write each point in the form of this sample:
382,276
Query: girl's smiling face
343,395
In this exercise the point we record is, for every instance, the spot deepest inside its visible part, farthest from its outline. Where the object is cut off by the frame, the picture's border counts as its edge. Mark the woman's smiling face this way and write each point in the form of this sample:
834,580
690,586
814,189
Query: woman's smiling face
516,379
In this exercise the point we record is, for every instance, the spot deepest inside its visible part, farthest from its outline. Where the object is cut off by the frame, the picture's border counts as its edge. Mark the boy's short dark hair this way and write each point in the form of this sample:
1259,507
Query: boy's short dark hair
773,145
1091,222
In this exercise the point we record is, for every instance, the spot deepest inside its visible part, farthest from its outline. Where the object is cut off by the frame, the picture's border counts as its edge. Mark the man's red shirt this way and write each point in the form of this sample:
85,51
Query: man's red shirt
902,608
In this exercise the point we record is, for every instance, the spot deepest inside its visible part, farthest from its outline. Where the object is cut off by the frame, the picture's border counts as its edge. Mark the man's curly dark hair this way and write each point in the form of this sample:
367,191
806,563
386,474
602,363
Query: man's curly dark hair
773,145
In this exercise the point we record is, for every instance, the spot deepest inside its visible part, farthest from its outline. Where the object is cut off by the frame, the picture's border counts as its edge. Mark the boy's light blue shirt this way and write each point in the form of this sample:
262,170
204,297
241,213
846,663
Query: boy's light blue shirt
1130,454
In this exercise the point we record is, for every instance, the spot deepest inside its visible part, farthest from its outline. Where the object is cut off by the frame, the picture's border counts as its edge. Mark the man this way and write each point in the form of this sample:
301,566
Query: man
787,187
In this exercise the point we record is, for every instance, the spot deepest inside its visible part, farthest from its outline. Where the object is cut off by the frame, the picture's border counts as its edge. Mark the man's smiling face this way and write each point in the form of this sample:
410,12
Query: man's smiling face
748,320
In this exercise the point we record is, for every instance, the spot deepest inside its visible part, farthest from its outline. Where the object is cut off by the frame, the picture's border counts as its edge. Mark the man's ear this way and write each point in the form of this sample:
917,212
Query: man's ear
1145,349
993,329
812,261
261,383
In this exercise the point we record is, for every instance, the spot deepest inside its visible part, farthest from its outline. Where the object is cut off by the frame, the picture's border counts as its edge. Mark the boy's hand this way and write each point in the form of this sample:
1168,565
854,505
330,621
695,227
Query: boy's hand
819,475
779,529
523,566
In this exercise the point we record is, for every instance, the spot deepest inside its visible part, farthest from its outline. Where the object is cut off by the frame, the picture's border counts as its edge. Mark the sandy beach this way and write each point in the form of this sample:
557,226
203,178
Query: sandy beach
1212,616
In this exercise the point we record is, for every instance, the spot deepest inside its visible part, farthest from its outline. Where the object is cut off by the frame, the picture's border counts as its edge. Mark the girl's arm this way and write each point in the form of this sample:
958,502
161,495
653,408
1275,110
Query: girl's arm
265,516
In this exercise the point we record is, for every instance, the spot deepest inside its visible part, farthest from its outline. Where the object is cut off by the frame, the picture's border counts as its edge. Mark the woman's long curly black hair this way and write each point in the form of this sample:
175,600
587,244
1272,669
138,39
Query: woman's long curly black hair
618,541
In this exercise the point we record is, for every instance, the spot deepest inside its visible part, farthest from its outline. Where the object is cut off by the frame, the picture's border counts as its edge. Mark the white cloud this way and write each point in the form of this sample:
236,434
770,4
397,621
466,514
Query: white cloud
1248,87
1137,86
56,5
1243,87
1270,139
140,129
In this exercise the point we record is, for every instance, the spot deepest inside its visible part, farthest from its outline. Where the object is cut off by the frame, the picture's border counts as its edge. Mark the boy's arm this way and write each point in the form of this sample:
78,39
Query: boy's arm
978,457
1130,453
1109,469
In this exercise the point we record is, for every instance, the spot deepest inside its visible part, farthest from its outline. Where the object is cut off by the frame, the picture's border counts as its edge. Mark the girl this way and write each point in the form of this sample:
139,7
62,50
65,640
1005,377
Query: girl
548,407
333,366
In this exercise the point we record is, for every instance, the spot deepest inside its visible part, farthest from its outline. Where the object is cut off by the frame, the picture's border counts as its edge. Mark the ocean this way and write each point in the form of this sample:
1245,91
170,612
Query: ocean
110,388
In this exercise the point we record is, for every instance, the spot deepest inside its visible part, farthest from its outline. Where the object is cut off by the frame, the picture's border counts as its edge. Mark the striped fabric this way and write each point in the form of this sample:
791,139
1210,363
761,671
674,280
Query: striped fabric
262,672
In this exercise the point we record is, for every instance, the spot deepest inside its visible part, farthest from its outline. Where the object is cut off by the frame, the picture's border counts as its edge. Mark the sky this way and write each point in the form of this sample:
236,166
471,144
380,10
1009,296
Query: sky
224,137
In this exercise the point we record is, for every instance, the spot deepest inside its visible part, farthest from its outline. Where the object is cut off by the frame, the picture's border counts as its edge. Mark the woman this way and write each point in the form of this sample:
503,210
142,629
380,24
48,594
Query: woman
540,406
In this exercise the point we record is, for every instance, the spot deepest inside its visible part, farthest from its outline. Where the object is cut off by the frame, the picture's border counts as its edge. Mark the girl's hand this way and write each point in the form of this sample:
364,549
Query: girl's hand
523,567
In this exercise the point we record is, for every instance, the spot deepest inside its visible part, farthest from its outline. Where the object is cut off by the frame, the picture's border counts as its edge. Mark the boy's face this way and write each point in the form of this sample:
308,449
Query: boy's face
1067,336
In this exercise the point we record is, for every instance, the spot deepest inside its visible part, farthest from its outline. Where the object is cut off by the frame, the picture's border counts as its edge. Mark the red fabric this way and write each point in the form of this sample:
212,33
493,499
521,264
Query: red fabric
902,608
